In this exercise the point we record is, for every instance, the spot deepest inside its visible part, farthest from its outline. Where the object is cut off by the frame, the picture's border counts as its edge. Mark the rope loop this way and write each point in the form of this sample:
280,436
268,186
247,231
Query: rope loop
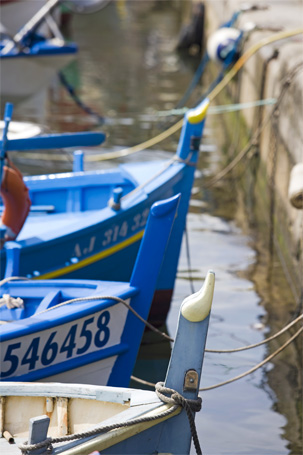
188,405
176,398
26,448
187,162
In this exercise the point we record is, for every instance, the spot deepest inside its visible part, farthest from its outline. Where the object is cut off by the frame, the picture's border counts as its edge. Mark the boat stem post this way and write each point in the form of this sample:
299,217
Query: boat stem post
144,277
185,366
188,350
192,131
150,256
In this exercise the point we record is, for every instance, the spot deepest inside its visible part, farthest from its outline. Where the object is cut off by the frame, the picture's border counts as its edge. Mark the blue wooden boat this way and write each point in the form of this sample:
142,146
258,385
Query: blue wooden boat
95,420
29,61
90,224
81,330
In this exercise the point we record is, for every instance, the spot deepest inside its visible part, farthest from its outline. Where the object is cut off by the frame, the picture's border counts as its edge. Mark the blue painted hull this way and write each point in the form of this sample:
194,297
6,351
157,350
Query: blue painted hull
74,233
62,342
77,330
106,249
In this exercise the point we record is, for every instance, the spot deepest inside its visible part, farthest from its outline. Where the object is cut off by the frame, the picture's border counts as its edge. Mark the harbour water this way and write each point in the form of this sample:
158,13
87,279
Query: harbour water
128,71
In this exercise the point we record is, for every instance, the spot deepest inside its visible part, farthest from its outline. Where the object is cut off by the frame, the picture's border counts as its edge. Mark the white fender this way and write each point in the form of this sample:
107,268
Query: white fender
221,43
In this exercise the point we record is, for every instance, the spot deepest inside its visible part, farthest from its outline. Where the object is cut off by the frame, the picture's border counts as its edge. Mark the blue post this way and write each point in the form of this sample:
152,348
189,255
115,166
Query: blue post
8,113
13,250
188,150
115,200
78,163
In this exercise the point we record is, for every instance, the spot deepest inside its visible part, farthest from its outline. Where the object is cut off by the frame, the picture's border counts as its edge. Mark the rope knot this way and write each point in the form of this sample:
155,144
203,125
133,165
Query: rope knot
190,406
26,448
171,396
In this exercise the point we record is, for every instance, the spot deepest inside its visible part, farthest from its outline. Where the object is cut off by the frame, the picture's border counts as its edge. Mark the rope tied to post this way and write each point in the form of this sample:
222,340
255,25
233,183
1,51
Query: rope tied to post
175,400
189,405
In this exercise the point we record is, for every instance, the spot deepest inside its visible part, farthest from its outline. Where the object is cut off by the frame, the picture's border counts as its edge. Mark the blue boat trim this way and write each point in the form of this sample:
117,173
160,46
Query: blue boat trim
61,316
56,141
38,51
70,365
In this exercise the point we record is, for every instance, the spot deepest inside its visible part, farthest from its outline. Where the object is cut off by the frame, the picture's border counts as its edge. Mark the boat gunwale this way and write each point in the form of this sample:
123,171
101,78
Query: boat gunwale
134,397
80,310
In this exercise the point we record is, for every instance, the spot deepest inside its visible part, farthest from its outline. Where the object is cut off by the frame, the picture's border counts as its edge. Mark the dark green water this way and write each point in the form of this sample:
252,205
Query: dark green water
128,70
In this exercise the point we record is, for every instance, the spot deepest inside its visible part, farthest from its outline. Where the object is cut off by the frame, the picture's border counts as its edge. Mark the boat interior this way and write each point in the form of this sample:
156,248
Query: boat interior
20,300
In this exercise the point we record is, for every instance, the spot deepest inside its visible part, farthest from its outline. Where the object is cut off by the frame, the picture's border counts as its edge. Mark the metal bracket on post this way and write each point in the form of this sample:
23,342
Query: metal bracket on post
191,380
195,142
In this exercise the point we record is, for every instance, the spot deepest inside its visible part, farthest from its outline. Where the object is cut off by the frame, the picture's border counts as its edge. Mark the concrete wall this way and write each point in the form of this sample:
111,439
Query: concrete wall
279,16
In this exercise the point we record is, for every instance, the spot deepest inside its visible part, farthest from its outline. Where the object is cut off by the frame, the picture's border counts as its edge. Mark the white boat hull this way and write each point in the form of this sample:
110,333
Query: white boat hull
55,354
96,373
22,77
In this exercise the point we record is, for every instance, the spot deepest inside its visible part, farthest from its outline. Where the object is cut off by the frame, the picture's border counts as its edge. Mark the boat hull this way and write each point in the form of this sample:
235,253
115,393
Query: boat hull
24,76
119,420
84,348
82,330
104,244
90,224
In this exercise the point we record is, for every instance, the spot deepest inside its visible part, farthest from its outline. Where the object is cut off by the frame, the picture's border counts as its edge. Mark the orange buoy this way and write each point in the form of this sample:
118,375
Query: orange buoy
16,202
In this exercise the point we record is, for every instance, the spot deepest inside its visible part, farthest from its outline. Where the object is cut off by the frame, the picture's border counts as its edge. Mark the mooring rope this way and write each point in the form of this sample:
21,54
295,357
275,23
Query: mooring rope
78,101
256,367
254,140
190,406
13,278
195,80
27,448
189,261
175,401
260,343
153,328
246,373
107,297
222,109
177,126
215,92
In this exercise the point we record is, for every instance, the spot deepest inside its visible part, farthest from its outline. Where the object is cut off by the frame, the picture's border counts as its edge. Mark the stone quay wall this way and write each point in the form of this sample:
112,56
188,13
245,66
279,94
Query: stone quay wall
264,77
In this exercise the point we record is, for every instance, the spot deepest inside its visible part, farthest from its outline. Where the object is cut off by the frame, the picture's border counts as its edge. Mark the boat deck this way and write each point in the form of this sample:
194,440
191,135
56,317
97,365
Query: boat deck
86,406
49,226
